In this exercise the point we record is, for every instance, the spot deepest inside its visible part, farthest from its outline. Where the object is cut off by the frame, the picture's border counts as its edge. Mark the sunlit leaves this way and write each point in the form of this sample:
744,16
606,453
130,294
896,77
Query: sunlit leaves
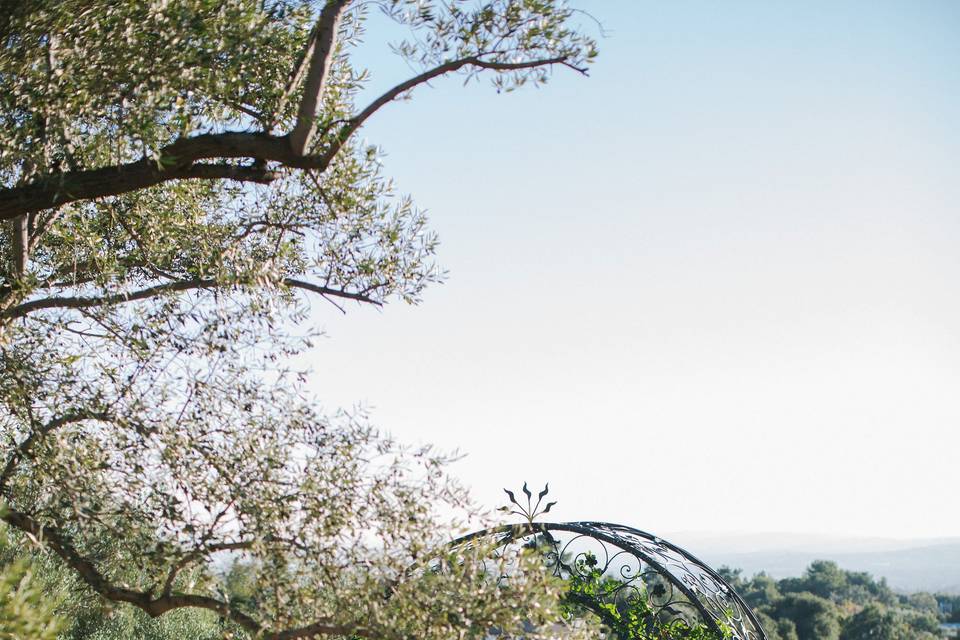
148,415
501,31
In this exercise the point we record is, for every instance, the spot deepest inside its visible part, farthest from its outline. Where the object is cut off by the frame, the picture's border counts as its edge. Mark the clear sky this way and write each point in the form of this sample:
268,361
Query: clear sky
713,287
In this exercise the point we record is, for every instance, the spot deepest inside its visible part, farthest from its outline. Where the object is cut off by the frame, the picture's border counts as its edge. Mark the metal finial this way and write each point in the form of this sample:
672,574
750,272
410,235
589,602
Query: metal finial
531,511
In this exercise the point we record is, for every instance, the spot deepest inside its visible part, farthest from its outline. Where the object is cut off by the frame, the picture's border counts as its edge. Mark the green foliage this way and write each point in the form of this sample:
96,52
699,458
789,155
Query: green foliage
828,602
822,578
825,579
924,602
162,230
782,629
122,623
80,614
93,84
625,612
26,611
816,618
875,623
761,591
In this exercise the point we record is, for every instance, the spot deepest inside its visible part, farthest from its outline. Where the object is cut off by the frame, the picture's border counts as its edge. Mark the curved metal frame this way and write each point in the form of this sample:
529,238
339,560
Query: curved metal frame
638,559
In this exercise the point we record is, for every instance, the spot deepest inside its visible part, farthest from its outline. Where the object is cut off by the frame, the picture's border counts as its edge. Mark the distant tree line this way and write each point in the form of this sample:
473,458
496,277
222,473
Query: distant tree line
828,603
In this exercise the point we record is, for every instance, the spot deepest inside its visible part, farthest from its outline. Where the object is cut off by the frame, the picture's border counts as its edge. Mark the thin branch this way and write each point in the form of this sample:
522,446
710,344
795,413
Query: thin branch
188,559
327,291
322,49
338,306
354,123
242,108
84,302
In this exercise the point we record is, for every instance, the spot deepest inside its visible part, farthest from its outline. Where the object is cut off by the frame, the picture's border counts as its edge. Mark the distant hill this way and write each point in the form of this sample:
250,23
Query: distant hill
908,565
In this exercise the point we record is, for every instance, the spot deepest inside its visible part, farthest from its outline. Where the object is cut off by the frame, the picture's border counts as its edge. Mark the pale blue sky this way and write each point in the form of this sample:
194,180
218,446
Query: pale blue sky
712,287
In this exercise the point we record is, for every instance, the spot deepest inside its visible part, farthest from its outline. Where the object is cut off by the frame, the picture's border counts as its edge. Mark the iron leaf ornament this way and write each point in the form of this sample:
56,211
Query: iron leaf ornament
531,511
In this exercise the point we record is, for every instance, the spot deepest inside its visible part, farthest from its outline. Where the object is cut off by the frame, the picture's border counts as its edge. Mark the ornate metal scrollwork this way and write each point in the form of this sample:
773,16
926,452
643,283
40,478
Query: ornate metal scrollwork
611,567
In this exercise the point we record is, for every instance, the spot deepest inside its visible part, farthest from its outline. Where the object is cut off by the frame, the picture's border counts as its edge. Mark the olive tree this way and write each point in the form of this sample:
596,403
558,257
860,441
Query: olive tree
179,180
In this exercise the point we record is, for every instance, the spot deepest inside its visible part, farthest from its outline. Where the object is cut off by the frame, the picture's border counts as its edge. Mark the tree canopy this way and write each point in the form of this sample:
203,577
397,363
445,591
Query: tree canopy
179,179
829,603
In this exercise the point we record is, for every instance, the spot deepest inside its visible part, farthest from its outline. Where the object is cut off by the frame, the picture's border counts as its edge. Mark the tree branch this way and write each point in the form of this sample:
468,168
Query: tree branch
316,629
84,302
20,245
231,172
322,48
354,123
327,291
176,161
95,579
154,607
89,573
193,556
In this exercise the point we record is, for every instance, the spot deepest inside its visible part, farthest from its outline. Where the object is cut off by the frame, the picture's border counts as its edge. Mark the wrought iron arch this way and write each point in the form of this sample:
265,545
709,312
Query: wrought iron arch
670,584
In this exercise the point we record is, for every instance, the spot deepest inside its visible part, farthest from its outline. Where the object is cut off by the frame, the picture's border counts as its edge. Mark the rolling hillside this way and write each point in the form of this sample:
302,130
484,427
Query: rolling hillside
908,565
